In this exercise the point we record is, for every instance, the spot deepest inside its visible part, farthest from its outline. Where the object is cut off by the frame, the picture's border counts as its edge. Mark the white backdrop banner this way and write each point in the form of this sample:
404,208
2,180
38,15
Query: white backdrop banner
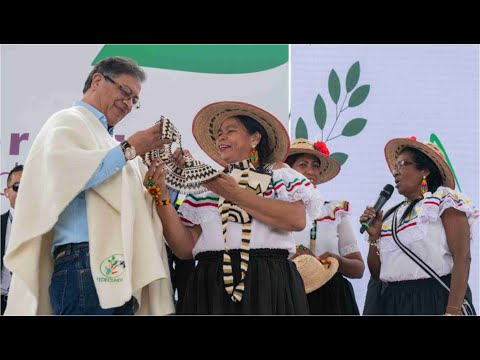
357,97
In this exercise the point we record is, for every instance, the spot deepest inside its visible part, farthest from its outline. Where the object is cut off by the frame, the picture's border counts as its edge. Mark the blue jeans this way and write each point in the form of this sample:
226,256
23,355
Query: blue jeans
72,289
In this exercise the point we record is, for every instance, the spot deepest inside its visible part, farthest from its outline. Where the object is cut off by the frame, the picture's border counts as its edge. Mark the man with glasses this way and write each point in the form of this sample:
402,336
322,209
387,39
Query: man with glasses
93,239
13,183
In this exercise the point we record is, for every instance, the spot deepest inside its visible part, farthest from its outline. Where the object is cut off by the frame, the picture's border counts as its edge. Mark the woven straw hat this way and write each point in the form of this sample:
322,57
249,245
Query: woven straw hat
209,119
329,168
394,146
313,272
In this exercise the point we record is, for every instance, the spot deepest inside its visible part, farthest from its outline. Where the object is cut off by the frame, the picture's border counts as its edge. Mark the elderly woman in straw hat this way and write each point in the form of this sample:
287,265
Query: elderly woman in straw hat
240,230
330,235
421,247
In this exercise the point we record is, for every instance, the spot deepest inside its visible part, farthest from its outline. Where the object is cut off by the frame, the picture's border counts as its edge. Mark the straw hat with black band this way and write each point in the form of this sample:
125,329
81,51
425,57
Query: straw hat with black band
329,167
208,120
395,146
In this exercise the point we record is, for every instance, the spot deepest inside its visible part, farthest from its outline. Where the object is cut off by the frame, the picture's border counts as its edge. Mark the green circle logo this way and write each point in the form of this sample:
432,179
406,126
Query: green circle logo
113,266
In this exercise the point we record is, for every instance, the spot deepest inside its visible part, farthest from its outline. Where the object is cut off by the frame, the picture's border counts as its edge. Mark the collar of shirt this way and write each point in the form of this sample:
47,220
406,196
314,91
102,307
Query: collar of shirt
98,114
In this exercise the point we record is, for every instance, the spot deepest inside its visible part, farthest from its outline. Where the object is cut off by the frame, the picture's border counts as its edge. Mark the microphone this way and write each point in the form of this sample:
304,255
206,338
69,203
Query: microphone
385,194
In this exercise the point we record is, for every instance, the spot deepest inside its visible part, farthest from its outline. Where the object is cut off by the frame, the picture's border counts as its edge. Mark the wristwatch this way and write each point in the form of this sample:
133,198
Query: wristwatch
128,150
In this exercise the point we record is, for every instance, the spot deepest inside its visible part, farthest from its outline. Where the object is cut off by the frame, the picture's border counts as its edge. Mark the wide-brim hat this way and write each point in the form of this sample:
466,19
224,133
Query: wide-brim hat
394,146
329,167
208,120
315,274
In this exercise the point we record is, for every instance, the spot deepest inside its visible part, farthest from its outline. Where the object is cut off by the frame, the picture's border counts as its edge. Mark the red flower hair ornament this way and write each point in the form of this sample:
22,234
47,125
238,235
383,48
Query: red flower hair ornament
322,147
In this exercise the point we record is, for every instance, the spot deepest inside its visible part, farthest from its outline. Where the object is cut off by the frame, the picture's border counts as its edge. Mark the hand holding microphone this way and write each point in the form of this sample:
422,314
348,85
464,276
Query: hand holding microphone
371,218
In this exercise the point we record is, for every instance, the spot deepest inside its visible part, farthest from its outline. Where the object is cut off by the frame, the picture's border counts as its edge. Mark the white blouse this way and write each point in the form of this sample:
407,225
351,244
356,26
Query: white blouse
334,230
422,231
287,184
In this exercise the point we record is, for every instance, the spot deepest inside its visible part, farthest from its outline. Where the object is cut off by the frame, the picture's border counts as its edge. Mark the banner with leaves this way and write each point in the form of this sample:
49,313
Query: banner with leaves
358,97
355,96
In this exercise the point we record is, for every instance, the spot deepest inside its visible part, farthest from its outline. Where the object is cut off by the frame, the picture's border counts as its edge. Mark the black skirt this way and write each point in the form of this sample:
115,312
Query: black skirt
273,285
336,297
372,299
416,297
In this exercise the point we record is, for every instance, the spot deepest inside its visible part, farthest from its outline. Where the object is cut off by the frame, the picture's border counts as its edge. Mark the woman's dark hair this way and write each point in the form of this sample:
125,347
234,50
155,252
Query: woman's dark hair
292,158
422,162
252,127
434,179
113,67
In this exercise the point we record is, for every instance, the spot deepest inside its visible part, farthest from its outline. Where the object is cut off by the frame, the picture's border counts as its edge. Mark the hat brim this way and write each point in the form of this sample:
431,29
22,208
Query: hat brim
394,146
329,167
208,120
314,274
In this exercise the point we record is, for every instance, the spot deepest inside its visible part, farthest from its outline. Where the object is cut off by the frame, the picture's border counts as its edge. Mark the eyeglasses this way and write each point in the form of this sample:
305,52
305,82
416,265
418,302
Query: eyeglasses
126,92
14,187
401,164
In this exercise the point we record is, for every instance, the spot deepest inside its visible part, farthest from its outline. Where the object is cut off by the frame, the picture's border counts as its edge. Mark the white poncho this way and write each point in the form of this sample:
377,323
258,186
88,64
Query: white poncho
122,220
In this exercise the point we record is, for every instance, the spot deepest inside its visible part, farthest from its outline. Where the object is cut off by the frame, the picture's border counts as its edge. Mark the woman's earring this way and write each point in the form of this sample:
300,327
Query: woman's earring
254,156
424,185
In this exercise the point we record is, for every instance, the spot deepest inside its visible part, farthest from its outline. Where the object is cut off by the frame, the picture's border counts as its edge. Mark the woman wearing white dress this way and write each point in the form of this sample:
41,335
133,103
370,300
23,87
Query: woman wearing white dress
434,222
330,235
240,230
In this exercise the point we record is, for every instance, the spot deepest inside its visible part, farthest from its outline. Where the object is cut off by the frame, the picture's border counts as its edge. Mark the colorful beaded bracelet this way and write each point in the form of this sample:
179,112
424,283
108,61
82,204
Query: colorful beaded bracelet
163,202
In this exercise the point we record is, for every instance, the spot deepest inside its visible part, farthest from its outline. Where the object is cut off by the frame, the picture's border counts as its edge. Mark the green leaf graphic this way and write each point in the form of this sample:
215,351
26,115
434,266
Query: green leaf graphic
334,86
354,126
211,59
301,129
352,76
340,157
320,112
434,139
359,95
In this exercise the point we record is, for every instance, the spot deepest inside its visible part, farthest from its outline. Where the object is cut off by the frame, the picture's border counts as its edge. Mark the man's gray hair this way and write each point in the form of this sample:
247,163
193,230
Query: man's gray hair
115,66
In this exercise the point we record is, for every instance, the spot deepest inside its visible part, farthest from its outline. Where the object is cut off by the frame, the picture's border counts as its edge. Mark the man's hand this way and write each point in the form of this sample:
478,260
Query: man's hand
146,140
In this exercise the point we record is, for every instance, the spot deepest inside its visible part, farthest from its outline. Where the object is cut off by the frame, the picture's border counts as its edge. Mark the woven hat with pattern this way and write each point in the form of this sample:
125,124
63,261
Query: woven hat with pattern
329,167
208,120
394,146
315,274
187,179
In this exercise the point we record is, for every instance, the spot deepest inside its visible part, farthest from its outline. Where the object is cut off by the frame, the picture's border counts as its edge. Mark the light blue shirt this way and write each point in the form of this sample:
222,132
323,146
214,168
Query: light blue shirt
72,226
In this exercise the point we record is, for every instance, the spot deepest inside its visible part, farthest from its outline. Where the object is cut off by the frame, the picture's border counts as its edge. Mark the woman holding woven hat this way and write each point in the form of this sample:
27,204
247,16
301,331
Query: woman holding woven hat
240,230
421,247
330,235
